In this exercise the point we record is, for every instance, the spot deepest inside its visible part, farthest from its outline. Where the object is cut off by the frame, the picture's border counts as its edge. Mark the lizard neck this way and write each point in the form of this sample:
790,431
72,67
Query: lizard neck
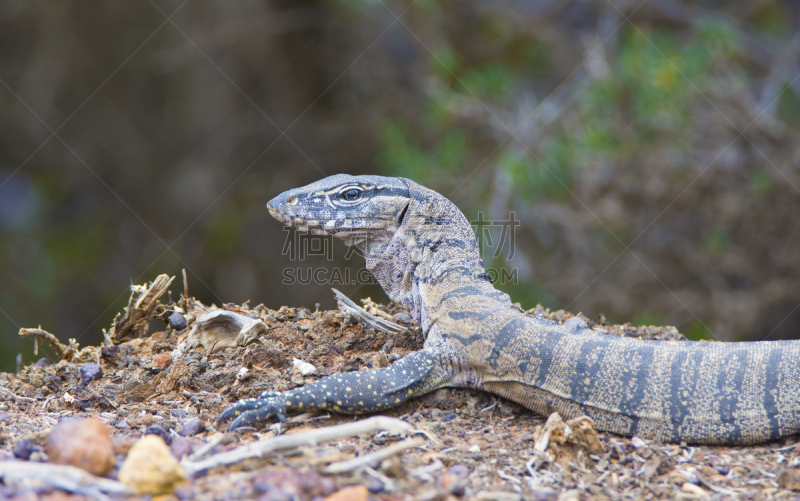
433,248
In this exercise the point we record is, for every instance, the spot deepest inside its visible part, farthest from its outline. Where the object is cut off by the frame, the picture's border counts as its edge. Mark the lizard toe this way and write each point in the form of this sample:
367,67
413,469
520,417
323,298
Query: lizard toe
257,412
238,409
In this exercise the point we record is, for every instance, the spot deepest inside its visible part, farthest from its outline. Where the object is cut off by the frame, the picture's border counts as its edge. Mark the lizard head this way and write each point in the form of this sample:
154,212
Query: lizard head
353,208
410,236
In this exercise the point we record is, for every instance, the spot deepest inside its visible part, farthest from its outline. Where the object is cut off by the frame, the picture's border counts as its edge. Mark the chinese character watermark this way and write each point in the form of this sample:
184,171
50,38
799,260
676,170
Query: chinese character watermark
495,237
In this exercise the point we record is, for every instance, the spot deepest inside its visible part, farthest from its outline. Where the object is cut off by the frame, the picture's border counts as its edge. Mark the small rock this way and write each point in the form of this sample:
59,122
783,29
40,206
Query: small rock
637,443
177,321
576,324
694,490
24,448
162,360
303,367
159,431
404,319
42,362
84,443
121,424
474,449
455,474
449,417
150,467
179,413
192,427
4,417
350,493
585,434
90,371
222,329
375,486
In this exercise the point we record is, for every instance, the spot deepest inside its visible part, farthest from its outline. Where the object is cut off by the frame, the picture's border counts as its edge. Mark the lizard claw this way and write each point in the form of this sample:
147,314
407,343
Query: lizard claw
254,410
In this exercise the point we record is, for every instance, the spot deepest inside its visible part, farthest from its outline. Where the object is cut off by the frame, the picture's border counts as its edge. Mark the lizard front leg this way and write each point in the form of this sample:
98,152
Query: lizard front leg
349,392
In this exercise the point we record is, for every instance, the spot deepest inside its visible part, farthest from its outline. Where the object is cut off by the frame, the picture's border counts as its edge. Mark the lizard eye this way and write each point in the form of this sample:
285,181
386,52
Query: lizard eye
351,194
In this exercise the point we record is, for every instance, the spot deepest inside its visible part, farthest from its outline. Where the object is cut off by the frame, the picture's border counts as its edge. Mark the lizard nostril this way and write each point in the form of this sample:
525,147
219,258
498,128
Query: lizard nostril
292,201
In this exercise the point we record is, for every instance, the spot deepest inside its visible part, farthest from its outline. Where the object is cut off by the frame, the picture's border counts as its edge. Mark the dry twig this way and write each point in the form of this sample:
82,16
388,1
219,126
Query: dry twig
373,457
267,446
142,306
67,352
69,478
17,397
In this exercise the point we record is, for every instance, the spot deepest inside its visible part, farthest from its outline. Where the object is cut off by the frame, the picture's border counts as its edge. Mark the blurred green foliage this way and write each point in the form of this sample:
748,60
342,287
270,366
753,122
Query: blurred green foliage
652,100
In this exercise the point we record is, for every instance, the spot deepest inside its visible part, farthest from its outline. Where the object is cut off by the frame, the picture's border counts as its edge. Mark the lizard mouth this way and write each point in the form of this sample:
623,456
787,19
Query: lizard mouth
313,226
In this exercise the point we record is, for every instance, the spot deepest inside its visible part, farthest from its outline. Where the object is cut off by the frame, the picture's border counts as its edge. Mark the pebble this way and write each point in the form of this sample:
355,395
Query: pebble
162,360
576,324
192,427
24,448
694,490
42,362
5,417
178,413
375,486
304,368
84,443
159,431
177,321
474,449
637,443
90,371
350,493
150,467
455,473
403,318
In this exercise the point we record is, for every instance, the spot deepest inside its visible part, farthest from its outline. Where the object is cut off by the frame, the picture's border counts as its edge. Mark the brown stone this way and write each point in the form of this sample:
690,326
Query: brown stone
162,360
349,493
83,443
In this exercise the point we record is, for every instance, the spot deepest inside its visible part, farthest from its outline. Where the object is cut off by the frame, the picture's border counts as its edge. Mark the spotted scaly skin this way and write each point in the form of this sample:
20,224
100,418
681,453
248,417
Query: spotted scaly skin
424,254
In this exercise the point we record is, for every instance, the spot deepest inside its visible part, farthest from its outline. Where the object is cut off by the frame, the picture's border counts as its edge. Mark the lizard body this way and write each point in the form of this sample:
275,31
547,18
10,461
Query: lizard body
423,252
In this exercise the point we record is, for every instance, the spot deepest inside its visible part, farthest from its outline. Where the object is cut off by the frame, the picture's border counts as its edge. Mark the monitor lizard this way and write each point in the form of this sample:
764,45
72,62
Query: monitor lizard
424,254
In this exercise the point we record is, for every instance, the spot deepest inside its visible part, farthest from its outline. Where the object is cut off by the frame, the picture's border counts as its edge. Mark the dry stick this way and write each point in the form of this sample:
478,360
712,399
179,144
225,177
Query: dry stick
139,307
269,445
17,397
347,305
69,478
717,489
62,350
373,457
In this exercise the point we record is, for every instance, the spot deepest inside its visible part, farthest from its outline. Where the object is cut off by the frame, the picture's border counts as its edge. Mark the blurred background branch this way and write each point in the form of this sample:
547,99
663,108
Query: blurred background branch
647,153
